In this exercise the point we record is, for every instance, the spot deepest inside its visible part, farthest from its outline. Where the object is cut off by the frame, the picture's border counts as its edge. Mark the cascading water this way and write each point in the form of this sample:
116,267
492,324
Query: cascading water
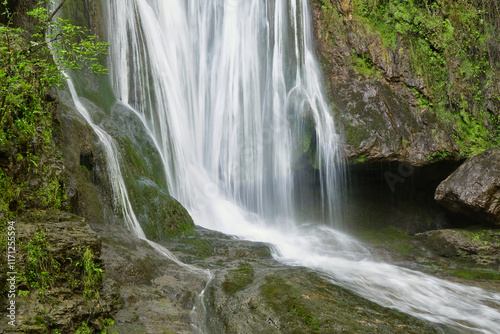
226,99
227,90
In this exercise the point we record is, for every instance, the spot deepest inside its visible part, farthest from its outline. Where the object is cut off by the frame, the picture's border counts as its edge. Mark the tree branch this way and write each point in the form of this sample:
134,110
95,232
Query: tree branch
40,46
55,11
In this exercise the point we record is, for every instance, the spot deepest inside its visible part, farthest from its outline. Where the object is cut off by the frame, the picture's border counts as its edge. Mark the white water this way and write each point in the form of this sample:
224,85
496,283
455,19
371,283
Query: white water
225,89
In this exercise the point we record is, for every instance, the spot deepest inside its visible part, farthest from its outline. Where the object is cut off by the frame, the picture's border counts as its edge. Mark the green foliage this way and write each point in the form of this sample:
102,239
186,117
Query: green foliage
84,329
359,159
92,275
107,323
364,66
439,156
42,271
40,266
27,74
28,71
7,192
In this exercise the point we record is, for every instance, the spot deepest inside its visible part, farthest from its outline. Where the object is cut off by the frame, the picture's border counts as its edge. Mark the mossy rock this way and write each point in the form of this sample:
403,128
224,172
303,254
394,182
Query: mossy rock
296,300
161,216
238,279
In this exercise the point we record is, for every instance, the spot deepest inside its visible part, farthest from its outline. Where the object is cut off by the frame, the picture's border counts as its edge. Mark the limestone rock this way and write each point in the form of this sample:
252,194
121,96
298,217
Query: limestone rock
379,115
481,247
62,304
473,190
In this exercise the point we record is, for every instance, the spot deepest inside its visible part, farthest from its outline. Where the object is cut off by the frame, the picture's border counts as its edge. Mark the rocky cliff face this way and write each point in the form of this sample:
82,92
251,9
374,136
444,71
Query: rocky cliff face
415,89
393,72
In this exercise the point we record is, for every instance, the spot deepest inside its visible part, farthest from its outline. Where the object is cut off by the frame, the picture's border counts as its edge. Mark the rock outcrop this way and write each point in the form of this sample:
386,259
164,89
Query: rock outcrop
481,247
59,276
377,110
473,190
381,78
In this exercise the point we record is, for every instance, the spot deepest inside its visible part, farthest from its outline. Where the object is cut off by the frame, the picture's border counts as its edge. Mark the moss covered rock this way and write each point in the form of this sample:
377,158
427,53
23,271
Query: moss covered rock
411,82
59,281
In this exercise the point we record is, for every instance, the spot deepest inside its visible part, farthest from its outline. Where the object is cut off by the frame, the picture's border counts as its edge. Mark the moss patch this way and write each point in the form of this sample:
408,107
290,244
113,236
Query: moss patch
477,274
310,304
389,237
190,243
238,279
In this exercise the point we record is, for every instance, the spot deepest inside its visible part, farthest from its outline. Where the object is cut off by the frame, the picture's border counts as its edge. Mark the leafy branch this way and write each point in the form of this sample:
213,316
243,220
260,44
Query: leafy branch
31,64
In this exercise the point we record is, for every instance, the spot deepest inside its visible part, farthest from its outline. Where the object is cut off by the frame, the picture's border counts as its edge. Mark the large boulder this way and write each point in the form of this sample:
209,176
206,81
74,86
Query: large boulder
473,190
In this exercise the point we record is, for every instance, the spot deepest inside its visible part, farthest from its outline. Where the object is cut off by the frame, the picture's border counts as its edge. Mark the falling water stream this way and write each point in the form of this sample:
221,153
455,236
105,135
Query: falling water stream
230,92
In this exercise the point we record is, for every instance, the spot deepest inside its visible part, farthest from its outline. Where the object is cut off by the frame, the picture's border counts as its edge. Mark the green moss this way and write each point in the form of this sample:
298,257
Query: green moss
132,158
477,274
192,244
161,215
388,236
364,66
95,88
355,134
288,302
52,194
238,279
359,159
8,192
306,141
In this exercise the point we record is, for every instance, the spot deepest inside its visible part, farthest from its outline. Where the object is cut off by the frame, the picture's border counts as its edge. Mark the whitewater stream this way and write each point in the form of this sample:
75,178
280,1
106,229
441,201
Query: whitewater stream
231,94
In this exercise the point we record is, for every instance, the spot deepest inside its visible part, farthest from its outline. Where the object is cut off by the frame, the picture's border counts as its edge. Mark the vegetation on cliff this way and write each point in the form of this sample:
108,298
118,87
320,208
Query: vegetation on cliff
453,47
27,77
31,169
445,53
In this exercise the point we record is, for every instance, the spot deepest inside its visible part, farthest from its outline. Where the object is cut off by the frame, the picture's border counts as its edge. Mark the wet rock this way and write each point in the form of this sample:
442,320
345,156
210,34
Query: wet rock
251,292
157,294
277,299
477,246
473,190
378,111
469,256
58,297
88,192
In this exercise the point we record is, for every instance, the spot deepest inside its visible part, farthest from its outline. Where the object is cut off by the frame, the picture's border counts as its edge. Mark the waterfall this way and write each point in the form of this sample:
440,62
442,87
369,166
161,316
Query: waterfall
233,103
231,94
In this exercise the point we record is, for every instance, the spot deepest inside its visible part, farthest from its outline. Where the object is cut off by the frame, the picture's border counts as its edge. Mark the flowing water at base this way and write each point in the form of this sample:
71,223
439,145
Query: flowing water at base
231,94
